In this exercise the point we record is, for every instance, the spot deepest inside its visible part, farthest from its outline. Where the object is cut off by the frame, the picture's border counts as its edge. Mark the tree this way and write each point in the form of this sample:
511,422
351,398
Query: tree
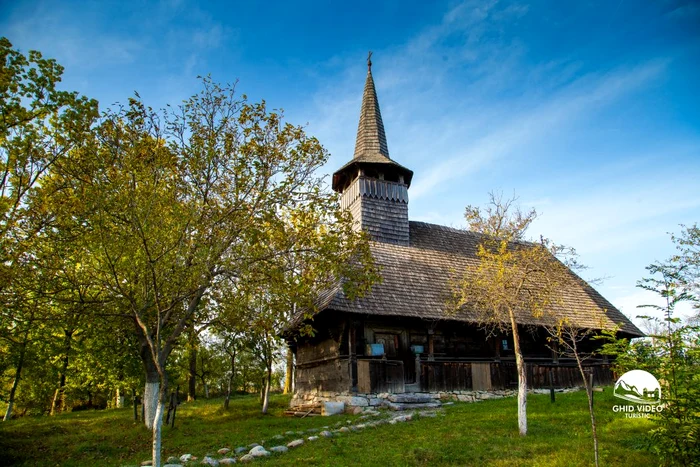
671,353
39,126
678,426
566,338
687,261
178,205
514,280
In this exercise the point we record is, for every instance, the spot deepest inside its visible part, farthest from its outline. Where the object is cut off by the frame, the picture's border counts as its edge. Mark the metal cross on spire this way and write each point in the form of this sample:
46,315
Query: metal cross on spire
369,61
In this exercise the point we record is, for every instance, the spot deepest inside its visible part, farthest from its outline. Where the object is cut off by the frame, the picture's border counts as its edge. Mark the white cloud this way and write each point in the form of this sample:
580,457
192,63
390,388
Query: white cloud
629,301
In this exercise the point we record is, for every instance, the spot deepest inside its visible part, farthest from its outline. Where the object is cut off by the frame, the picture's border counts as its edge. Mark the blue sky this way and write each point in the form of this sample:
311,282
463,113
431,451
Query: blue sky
588,111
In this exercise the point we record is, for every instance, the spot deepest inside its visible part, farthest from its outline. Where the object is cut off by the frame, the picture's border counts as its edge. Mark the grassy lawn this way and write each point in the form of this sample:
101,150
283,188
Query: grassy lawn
477,434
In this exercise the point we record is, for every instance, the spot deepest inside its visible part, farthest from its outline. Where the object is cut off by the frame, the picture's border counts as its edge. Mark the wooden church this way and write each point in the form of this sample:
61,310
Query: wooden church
398,338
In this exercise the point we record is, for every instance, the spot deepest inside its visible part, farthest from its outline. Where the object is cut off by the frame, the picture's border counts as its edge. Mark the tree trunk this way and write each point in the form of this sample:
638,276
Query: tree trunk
192,376
59,400
522,377
266,390
157,425
206,388
18,375
231,377
289,374
589,394
152,387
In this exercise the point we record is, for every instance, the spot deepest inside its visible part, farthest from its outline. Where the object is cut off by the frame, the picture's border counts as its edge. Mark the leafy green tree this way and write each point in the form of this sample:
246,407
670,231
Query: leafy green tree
39,126
175,206
675,437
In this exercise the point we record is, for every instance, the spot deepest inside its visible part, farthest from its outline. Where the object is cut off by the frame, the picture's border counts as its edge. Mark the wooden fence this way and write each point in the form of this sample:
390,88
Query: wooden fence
379,375
456,376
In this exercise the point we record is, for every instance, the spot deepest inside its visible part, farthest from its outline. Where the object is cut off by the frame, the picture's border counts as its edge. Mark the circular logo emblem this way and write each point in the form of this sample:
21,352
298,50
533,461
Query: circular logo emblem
638,386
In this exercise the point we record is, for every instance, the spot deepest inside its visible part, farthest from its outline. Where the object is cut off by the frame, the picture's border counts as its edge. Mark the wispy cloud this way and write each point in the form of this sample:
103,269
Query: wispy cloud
510,137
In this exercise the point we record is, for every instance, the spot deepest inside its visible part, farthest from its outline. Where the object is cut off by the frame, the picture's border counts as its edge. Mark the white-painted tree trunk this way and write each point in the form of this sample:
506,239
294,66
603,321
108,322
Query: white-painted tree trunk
157,429
522,398
522,377
150,403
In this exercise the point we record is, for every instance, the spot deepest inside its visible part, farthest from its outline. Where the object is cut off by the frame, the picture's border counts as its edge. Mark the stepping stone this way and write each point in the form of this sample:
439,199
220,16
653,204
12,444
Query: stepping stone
223,451
187,458
210,461
259,451
253,445
172,465
172,460
411,406
278,437
279,449
427,413
410,398
240,450
289,433
247,458
312,438
227,461
144,463
295,443
344,429
326,434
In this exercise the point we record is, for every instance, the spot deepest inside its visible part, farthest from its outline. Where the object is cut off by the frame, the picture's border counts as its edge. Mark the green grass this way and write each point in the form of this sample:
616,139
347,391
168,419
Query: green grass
484,433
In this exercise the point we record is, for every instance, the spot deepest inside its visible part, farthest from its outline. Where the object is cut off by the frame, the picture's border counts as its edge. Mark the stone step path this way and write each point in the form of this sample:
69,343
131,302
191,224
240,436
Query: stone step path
248,454
410,401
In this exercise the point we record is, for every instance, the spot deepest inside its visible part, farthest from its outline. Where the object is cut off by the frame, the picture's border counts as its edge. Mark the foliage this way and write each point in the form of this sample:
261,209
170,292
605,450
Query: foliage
39,126
205,213
672,355
676,437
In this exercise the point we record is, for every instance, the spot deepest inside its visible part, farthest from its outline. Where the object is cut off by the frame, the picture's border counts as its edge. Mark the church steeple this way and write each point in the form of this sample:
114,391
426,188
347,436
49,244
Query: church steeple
374,187
371,139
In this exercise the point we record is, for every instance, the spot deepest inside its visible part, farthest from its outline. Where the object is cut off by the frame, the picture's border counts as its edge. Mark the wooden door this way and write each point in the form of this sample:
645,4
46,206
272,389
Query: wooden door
481,376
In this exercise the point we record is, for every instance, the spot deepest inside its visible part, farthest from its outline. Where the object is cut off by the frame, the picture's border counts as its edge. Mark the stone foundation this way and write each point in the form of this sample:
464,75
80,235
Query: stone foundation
384,399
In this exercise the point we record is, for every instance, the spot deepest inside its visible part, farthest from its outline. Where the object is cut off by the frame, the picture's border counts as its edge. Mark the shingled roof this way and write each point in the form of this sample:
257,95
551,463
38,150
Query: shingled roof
416,283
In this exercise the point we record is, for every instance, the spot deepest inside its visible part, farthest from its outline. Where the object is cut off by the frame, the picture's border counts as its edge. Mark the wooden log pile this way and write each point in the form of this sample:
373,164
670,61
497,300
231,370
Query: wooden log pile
303,411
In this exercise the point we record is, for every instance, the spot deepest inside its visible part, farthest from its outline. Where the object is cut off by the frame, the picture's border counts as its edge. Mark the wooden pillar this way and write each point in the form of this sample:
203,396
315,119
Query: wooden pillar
418,374
431,345
352,351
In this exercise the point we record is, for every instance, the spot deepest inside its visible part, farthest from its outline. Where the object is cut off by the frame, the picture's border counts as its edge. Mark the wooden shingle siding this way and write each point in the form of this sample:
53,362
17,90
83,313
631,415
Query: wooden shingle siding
380,208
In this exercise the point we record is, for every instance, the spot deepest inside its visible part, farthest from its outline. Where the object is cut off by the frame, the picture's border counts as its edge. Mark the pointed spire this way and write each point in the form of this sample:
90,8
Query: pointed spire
371,139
